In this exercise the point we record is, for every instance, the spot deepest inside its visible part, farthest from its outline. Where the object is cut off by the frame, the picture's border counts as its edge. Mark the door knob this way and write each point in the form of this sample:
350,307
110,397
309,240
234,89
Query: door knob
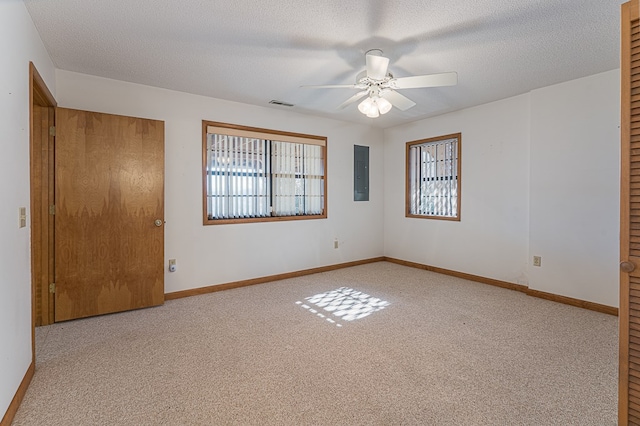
627,266
158,222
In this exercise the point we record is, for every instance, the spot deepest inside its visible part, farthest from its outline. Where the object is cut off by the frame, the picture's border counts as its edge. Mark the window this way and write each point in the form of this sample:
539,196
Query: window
255,175
433,178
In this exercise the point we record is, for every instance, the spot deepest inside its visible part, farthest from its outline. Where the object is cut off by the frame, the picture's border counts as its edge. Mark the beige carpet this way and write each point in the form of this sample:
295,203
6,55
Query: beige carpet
441,351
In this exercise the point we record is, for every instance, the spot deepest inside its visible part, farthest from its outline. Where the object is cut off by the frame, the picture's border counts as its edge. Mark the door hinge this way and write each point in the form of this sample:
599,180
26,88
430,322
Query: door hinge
52,288
52,131
52,209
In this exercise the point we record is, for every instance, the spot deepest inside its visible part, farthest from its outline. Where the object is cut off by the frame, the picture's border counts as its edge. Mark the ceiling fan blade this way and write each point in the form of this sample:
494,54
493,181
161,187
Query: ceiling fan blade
352,99
331,86
399,101
430,80
377,67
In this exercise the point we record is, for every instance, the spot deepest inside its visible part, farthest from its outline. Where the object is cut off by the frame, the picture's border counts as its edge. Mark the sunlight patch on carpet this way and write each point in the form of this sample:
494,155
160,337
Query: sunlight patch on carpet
344,304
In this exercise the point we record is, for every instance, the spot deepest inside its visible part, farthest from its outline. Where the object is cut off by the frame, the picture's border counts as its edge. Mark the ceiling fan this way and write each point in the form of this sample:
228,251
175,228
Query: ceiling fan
380,86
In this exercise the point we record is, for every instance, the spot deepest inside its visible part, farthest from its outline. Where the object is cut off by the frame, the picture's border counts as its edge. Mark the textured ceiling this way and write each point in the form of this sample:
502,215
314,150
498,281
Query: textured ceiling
256,51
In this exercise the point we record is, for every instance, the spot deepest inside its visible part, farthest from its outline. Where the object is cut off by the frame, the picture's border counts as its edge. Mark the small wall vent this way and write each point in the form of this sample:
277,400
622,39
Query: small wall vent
274,102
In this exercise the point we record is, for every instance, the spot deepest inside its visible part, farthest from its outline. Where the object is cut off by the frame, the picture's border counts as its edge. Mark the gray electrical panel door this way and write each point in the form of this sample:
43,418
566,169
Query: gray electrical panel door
360,173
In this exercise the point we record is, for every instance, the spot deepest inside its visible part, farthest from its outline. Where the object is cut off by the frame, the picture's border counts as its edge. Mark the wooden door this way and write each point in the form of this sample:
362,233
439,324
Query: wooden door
629,367
109,213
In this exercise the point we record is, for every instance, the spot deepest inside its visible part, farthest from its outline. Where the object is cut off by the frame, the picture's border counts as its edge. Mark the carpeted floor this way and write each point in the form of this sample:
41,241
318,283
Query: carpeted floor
423,349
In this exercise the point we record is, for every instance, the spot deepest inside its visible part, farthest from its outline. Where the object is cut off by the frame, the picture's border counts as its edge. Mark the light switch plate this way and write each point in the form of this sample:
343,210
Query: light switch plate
23,217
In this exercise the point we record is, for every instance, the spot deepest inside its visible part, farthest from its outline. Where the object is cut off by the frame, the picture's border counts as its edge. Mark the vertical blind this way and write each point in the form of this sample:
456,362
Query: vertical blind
237,181
297,176
433,178
254,177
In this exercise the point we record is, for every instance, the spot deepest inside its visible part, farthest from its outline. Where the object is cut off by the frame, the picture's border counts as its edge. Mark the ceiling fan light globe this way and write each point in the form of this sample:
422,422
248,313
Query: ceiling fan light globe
373,112
366,106
383,105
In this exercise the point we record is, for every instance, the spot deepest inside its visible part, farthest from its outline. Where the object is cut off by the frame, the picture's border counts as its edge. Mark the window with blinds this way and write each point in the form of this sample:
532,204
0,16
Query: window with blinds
253,175
433,178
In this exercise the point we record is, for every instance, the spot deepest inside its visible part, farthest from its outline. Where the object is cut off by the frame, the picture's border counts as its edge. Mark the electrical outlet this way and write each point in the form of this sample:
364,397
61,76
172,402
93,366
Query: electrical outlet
172,265
537,261
335,243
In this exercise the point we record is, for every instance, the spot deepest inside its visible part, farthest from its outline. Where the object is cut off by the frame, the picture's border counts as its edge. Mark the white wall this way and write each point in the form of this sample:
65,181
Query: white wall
491,239
19,44
574,193
540,176
209,255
